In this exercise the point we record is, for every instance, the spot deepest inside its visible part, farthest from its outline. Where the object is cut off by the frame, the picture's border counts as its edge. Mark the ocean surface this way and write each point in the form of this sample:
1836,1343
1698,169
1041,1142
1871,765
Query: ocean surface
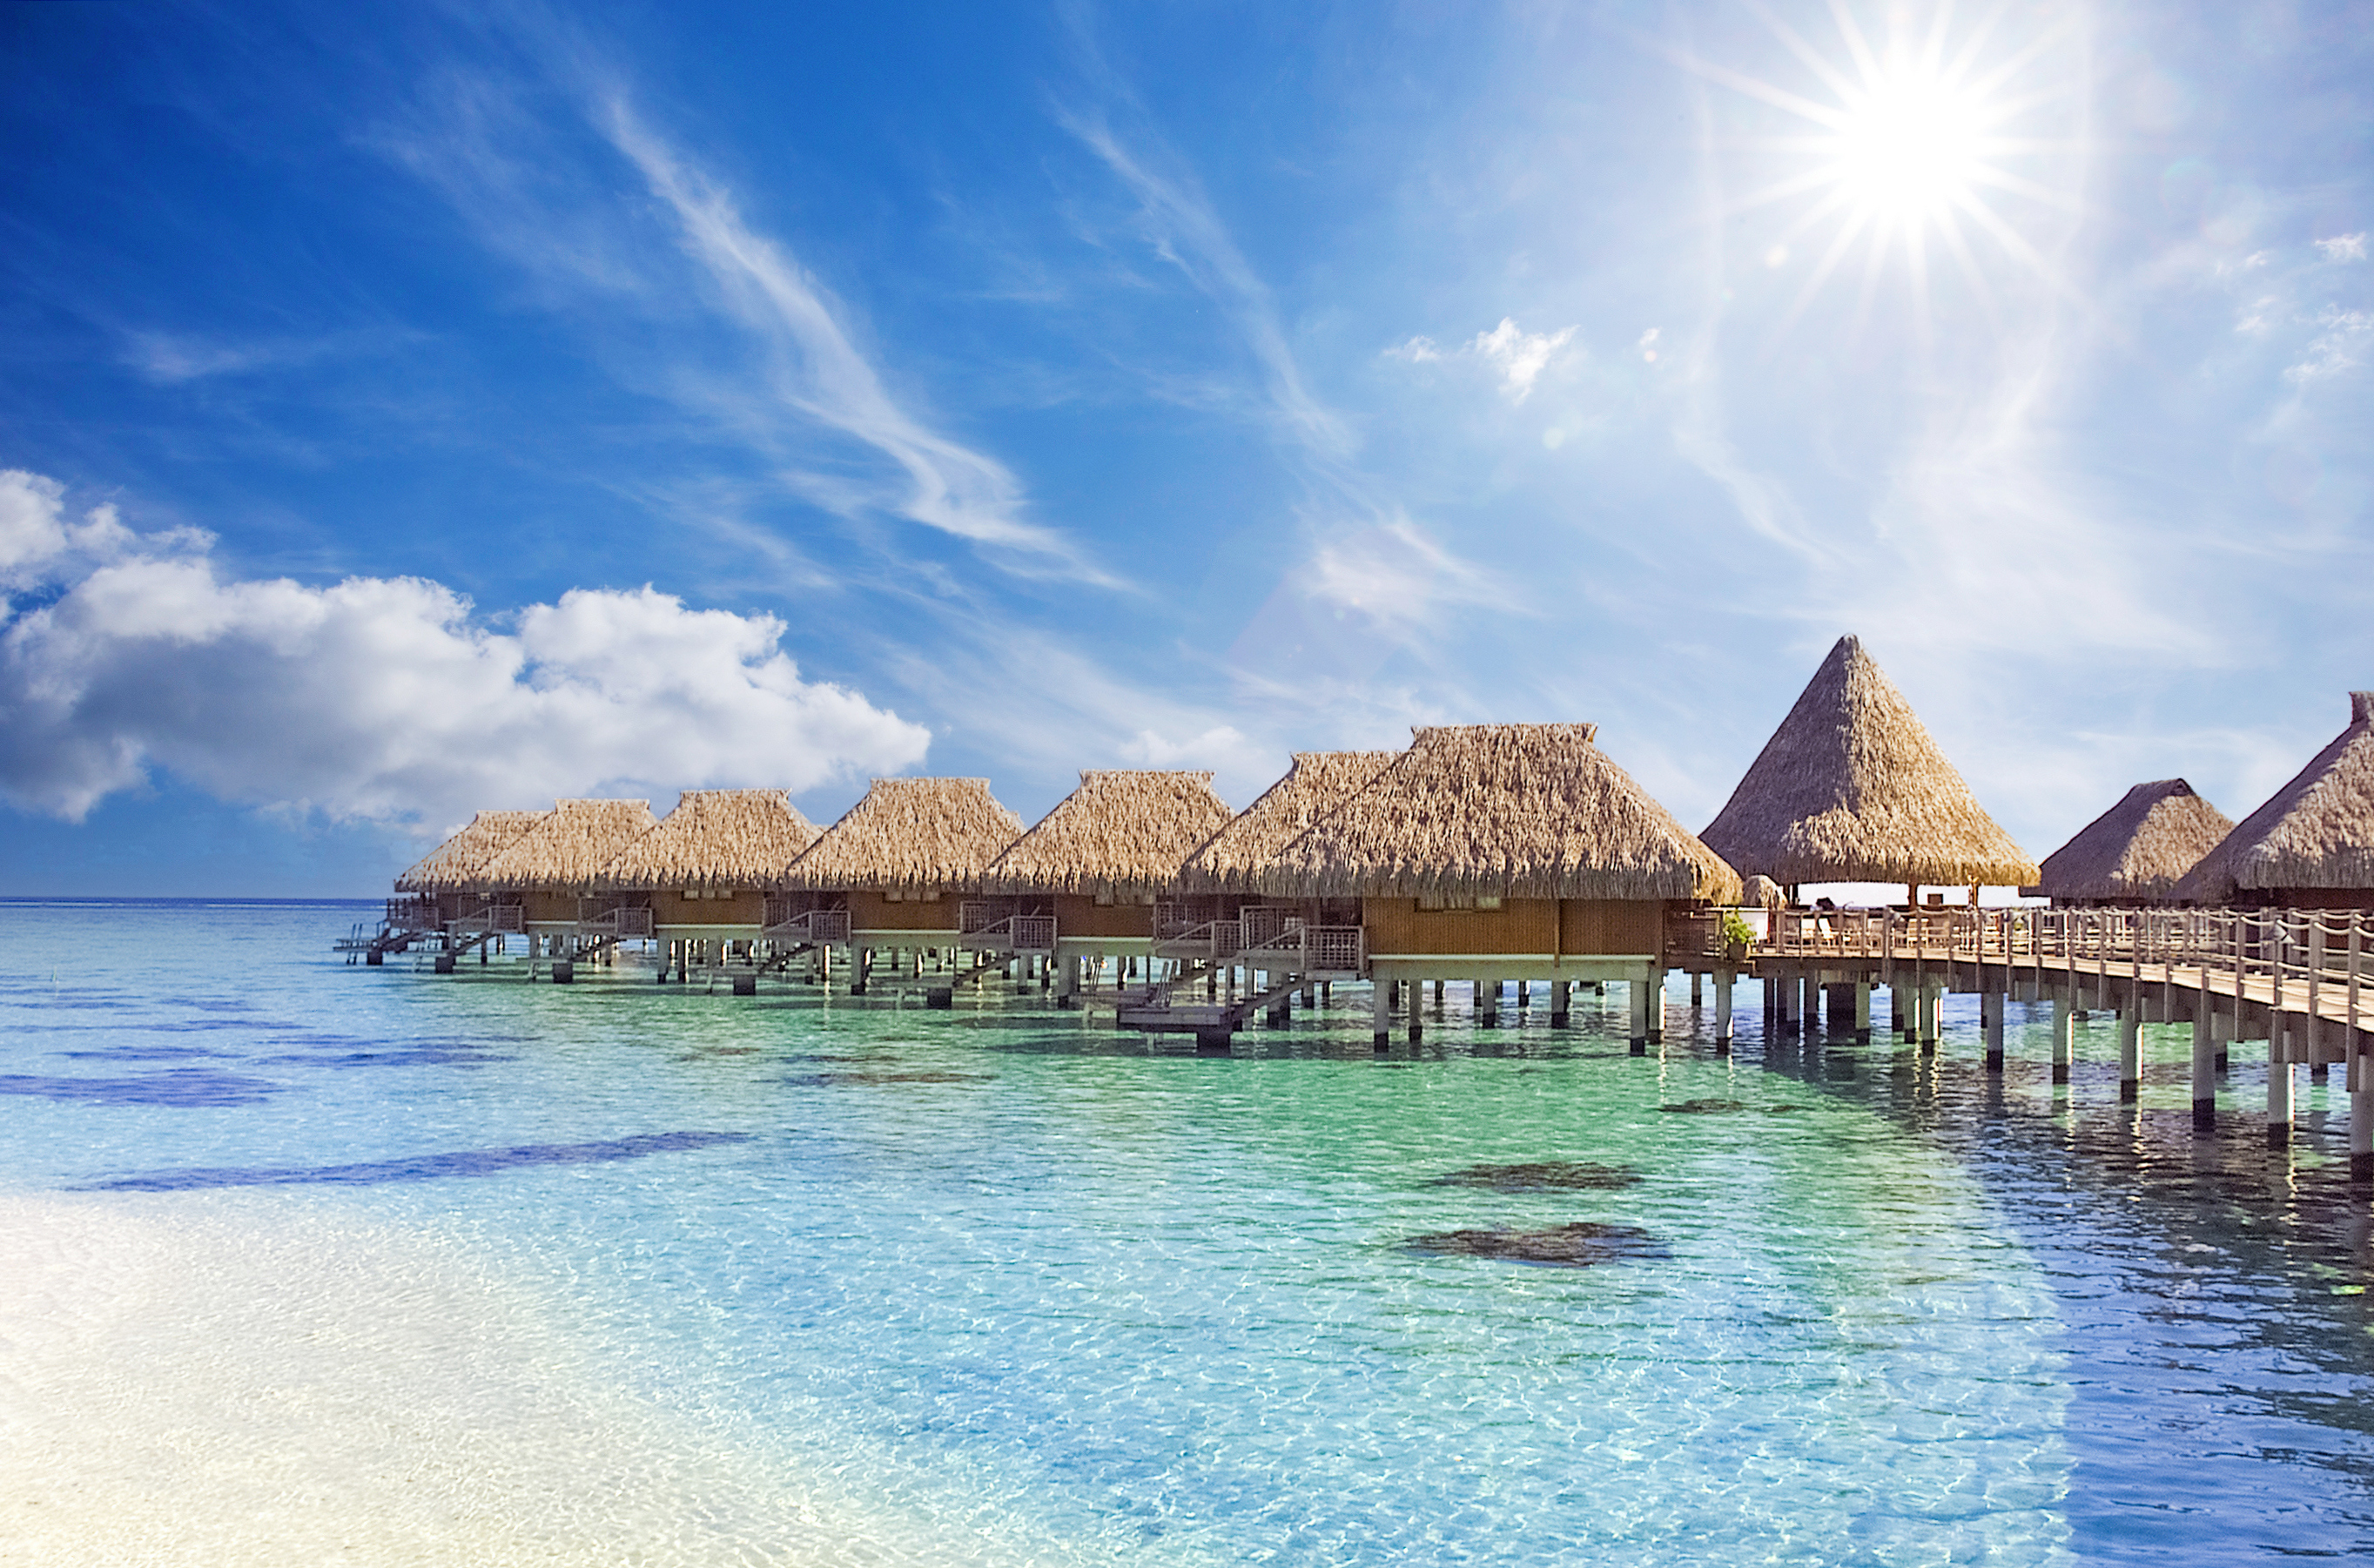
305,1261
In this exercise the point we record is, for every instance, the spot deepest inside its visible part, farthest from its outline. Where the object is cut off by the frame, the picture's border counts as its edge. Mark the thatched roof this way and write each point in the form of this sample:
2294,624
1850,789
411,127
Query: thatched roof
569,847
2317,832
1120,832
1319,782
716,838
910,833
1762,892
452,864
1503,810
1852,789
2138,848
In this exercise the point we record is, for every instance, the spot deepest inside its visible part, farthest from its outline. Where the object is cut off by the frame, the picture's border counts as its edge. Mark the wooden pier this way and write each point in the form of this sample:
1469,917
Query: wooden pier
2296,979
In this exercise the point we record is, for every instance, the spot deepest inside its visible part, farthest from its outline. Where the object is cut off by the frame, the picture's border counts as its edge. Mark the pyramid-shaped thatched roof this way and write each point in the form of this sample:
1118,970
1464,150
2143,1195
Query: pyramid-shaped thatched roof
1232,860
2139,848
569,847
1121,832
453,864
716,838
2317,832
1852,789
1502,810
910,833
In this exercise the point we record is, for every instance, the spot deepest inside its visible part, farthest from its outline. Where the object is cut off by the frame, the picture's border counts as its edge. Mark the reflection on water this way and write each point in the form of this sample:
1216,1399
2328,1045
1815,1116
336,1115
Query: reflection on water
1010,1270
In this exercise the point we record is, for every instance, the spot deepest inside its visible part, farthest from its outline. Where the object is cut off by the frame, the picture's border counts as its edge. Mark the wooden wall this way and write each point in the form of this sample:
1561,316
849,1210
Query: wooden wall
1076,915
1627,926
670,907
1581,927
869,911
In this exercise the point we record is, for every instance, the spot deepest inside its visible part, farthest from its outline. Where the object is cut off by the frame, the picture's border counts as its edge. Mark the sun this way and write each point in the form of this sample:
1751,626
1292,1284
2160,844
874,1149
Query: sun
1911,149
1911,144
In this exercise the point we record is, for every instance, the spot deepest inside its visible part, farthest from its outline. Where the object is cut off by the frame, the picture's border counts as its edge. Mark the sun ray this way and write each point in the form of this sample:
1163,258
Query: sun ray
1857,45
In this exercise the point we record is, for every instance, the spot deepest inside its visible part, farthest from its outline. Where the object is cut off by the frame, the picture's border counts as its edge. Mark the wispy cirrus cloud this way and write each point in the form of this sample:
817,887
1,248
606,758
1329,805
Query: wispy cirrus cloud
1177,219
819,373
493,147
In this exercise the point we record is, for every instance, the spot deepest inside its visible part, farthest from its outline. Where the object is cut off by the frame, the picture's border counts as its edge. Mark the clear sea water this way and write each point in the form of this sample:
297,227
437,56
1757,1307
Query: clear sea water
311,1261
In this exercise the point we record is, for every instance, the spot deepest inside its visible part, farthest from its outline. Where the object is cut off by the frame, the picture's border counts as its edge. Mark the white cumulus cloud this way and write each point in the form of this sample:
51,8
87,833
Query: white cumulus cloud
1516,357
383,699
2343,247
1520,357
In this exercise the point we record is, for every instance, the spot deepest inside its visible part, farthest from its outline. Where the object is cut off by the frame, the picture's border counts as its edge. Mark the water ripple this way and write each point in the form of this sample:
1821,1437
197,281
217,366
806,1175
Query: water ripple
420,1167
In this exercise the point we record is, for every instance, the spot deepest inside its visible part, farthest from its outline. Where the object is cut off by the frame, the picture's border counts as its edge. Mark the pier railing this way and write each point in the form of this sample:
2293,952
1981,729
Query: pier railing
2319,962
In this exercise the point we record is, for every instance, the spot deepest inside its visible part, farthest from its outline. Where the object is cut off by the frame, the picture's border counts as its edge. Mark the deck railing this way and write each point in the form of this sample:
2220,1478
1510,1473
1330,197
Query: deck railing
409,912
814,928
501,919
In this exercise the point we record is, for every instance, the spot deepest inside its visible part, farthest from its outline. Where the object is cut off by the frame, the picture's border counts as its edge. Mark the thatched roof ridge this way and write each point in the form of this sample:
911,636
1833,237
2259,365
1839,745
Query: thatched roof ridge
715,838
569,847
2316,832
910,833
2139,848
1319,782
1503,810
1851,788
1122,832
451,863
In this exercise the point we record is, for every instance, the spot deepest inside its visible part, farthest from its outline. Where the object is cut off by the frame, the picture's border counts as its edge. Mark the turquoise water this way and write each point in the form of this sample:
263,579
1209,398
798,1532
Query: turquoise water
1002,1285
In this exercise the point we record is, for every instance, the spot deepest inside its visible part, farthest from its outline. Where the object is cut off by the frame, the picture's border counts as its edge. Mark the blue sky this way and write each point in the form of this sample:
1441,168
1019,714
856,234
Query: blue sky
409,409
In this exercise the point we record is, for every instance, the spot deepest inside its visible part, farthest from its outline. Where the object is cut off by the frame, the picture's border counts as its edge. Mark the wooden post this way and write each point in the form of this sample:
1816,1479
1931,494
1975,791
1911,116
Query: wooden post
2361,1115
1560,992
2204,1065
1487,1003
2064,1037
2131,1052
1416,1011
2279,1085
1992,1004
1863,1012
1641,1014
1697,992
1381,1009
1656,988
1932,1010
1723,980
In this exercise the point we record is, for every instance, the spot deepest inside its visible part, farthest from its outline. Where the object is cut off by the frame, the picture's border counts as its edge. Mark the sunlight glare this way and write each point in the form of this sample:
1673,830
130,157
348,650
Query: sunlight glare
1911,149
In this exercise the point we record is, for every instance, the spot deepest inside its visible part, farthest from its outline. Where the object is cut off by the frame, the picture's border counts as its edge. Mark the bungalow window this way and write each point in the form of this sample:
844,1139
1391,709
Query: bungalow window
894,895
1458,902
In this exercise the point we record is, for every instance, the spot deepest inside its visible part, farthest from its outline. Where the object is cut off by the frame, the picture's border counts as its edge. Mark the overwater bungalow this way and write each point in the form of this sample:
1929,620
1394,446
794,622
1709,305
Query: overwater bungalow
1851,788
435,893
2311,845
699,882
1498,853
893,874
551,870
2137,851
1225,872
1083,883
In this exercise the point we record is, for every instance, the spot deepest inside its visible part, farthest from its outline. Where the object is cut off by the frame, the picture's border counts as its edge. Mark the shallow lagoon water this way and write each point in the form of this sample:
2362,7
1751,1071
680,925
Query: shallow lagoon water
381,1266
